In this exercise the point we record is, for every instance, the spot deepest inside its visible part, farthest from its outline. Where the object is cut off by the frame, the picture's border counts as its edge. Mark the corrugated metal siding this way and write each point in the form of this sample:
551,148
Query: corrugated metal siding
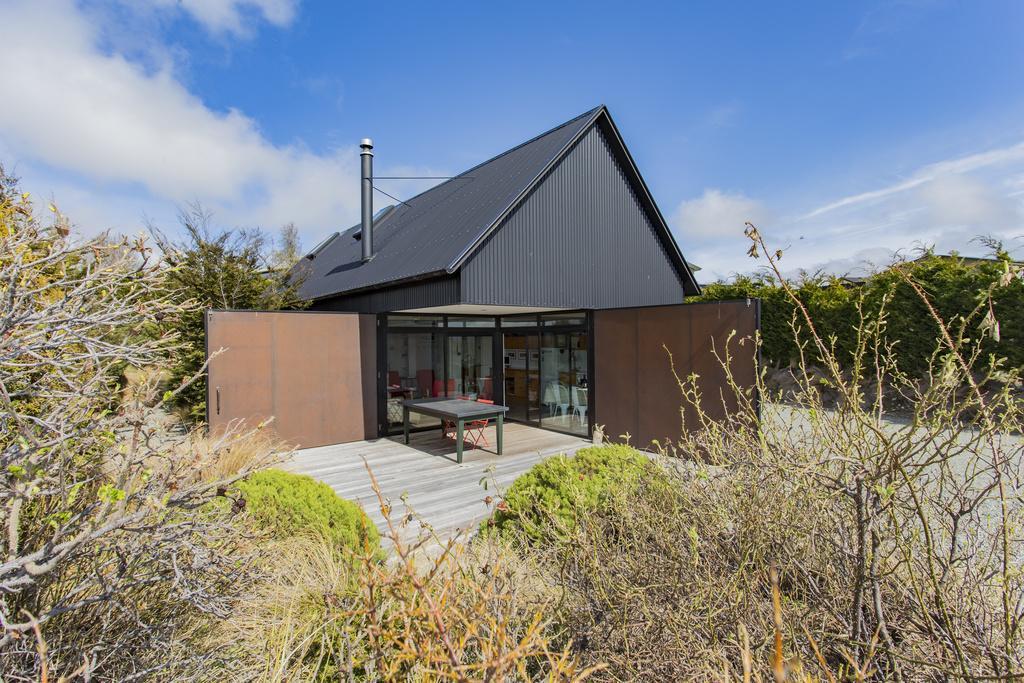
580,240
443,291
426,233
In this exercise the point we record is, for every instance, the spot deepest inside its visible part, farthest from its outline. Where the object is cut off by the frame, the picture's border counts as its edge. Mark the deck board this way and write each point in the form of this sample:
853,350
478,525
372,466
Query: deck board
444,494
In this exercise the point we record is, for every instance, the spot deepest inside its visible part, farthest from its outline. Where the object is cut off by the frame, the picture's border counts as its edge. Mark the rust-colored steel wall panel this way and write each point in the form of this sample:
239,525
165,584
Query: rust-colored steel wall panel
636,390
658,417
615,358
304,369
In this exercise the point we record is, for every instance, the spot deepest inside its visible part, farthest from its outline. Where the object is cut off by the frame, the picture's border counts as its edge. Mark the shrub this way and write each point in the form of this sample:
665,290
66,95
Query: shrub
111,552
953,285
658,594
832,304
222,269
287,505
456,615
547,499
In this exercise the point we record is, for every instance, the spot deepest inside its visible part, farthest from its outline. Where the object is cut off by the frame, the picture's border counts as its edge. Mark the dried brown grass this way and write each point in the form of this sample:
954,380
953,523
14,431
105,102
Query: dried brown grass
465,613
822,543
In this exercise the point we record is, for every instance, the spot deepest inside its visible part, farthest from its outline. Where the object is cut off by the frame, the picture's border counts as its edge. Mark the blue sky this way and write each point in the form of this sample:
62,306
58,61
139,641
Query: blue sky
845,130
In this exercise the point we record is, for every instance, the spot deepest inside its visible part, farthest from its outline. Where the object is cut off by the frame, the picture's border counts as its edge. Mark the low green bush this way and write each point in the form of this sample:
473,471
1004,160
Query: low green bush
545,501
288,505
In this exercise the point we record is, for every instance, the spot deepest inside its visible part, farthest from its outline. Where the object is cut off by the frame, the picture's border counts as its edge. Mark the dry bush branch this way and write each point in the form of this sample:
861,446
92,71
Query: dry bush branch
894,535
110,545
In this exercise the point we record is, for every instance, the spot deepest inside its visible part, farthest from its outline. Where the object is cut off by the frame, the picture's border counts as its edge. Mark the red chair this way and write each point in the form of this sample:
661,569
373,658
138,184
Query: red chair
438,388
474,429
447,426
424,378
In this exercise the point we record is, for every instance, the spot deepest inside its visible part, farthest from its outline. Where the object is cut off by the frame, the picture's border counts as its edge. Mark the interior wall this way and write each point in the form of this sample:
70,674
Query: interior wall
635,349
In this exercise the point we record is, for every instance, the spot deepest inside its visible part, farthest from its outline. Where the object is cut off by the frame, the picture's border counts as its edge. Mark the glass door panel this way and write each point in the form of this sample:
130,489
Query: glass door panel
563,378
522,381
415,368
471,366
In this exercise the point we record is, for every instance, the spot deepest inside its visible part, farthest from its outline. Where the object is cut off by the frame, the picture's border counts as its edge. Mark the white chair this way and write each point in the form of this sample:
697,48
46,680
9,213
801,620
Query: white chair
556,399
563,399
579,399
552,397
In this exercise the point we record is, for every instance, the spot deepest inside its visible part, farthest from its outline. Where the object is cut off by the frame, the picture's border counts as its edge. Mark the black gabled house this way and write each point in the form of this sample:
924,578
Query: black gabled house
561,221
545,278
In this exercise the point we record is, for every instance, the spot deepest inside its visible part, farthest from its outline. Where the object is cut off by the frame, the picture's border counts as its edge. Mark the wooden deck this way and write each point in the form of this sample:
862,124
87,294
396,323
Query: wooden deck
443,493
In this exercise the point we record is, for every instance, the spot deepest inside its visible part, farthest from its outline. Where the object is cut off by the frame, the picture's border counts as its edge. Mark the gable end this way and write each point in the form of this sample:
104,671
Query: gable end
584,237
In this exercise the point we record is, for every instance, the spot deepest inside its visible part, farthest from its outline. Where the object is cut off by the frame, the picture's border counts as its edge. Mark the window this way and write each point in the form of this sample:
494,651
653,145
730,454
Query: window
415,368
537,365
565,319
564,382
530,321
471,366
415,320
454,321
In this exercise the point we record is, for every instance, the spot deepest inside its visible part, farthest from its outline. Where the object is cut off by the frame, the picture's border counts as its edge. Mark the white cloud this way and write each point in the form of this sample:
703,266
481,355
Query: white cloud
964,201
881,24
945,205
108,119
233,16
859,263
723,116
926,174
716,214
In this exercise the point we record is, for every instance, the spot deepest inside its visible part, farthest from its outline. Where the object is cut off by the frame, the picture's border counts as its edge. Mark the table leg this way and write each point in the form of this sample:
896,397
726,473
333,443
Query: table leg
458,440
405,422
501,423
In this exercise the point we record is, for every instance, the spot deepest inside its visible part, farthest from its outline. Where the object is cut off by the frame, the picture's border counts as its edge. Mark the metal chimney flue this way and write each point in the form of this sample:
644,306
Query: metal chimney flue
366,156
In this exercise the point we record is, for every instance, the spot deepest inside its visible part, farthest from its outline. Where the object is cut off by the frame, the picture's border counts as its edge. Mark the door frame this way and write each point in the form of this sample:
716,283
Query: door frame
441,334
538,329
525,333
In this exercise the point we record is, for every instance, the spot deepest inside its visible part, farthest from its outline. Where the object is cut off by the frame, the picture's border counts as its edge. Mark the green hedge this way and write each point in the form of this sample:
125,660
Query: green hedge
831,304
954,286
546,500
287,505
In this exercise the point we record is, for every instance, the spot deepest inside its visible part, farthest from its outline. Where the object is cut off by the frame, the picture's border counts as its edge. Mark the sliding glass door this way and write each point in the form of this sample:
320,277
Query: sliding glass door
563,378
471,366
521,359
537,365
415,366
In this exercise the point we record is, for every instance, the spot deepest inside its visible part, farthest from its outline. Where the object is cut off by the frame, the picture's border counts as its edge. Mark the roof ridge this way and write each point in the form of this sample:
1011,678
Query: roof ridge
574,119
559,154
439,229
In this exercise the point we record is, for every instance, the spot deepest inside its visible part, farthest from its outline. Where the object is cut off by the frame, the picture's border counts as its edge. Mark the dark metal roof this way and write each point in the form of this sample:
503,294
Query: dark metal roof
436,231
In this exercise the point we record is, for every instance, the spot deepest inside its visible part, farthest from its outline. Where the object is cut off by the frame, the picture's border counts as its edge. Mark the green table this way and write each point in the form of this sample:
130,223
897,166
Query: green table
458,411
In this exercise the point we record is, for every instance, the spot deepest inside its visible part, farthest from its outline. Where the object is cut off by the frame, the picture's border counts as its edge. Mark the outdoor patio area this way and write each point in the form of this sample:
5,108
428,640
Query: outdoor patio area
448,496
